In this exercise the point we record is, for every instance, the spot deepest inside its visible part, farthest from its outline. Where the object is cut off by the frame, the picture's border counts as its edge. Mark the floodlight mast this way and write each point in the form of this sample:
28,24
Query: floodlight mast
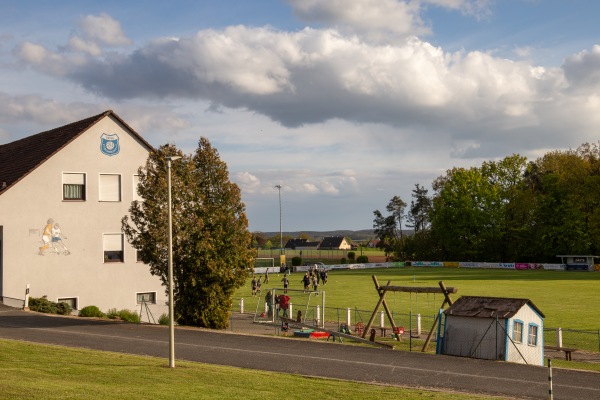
280,231
171,300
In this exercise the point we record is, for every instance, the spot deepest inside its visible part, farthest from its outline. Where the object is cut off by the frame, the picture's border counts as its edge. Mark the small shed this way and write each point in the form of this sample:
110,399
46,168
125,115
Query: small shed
493,328
579,262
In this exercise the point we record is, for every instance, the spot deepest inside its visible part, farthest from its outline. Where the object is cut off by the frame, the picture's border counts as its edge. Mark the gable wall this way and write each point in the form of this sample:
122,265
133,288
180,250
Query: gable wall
26,208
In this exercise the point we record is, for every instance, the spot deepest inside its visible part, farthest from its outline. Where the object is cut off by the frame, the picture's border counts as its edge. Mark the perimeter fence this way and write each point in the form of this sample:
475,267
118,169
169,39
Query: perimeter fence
584,344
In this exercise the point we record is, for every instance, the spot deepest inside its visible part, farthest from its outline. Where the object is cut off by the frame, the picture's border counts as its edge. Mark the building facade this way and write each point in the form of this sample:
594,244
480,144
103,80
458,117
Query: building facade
63,194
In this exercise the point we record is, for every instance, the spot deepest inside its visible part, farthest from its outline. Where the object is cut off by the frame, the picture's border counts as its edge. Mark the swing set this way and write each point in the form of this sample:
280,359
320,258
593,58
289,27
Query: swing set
382,291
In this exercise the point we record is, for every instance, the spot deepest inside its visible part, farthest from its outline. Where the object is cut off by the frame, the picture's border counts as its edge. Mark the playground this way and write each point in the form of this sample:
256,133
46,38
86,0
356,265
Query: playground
568,299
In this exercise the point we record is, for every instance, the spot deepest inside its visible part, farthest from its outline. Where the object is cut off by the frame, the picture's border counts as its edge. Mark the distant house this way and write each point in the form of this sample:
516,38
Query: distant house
493,328
373,243
301,244
334,243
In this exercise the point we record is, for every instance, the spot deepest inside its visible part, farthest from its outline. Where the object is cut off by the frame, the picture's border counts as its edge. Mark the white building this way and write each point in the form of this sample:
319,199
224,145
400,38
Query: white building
493,328
63,193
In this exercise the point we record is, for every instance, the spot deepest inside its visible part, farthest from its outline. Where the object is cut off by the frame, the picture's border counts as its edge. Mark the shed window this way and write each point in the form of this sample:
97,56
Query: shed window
71,301
532,335
518,331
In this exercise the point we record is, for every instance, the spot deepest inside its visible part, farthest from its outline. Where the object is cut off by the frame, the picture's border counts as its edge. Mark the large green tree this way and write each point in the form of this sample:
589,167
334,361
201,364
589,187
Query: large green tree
212,253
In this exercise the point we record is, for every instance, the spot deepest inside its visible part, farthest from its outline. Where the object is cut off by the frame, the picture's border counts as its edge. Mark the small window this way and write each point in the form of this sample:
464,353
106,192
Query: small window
71,301
138,256
532,335
149,297
113,247
518,332
110,187
73,186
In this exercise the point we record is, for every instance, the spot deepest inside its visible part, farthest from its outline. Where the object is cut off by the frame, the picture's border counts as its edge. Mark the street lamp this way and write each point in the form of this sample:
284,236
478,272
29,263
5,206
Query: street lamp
280,232
171,313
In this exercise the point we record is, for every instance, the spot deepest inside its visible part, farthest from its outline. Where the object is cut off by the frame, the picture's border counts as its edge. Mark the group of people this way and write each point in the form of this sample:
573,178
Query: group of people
282,302
314,276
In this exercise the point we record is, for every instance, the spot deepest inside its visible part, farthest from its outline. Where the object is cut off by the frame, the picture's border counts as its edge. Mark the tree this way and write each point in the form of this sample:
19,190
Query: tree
212,253
389,229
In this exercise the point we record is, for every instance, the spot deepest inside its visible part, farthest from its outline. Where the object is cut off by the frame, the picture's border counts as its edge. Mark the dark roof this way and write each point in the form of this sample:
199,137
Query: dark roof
293,243
332,242
488,307
19,158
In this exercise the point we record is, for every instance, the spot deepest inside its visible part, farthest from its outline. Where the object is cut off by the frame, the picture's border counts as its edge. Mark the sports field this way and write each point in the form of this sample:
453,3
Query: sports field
570,300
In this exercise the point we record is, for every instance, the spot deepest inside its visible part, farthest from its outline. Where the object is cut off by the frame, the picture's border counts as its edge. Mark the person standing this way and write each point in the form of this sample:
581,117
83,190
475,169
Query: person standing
286,282
253,286
267,276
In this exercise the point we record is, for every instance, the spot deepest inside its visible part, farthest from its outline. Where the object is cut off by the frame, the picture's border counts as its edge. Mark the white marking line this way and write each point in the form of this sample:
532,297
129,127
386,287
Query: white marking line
272,353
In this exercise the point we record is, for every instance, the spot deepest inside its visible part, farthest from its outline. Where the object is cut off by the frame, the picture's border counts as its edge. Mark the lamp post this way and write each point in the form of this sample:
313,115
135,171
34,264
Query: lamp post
171,301
280,231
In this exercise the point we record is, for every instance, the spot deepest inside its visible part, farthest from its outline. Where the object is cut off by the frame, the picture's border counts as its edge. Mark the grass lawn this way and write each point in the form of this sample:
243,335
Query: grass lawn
33,371
569,300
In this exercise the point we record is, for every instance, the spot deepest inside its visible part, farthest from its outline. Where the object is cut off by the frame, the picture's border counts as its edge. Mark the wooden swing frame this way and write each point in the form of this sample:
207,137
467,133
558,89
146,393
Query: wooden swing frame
382,291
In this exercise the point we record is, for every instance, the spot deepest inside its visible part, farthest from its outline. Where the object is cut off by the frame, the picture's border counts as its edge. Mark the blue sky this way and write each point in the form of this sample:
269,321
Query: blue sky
344,103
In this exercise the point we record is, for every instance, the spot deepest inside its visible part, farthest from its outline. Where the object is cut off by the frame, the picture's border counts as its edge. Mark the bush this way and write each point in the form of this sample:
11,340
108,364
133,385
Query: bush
163,319
63,308
343,260
43,305
351,255
296,261
362,259
91,312
112,313
129,316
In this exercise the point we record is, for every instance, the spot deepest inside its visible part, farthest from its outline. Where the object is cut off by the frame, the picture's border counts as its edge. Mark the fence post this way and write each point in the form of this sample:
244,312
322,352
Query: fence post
418,324
242,305
551,396
381,321
291,311
559,337
348,317
318,316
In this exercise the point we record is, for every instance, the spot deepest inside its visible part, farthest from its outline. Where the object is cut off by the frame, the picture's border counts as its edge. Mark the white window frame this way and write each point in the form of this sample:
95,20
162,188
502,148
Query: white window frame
151,300
532,339
69,300
74,178
110,244
109,187
518,334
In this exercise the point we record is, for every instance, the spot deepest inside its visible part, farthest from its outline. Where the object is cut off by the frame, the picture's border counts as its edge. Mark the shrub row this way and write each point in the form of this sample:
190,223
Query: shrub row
43,305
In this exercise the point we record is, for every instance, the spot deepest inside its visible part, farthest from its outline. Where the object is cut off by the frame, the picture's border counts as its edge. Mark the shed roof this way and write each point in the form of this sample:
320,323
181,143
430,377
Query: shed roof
488,307
332,242
21,157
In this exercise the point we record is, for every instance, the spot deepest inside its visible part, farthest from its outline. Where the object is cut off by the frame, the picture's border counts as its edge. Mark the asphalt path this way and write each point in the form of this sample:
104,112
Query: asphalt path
304,357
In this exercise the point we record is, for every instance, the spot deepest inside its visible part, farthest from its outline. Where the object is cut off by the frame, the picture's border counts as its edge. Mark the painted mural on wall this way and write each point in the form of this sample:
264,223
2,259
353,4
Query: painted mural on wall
52,239
109,144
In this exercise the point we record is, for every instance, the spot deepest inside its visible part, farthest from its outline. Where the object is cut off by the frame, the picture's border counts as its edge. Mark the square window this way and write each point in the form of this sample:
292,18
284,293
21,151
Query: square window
71,301
110,187
149,297
518,332
112,244
532,335
73,186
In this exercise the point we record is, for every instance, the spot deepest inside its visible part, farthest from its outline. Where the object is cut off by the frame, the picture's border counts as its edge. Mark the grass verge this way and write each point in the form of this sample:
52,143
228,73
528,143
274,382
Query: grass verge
35,371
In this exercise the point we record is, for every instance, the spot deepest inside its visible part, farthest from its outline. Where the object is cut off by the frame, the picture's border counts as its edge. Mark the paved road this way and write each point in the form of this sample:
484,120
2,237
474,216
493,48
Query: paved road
322,359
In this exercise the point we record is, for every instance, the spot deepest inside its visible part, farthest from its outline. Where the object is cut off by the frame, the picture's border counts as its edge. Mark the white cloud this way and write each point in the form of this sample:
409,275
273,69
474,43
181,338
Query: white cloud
103,29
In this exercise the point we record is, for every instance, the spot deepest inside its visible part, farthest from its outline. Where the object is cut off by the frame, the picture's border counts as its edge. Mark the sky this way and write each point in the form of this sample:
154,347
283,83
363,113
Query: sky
344,103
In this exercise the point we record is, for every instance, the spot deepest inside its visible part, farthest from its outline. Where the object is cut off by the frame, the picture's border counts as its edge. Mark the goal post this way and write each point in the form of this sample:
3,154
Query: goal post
265,262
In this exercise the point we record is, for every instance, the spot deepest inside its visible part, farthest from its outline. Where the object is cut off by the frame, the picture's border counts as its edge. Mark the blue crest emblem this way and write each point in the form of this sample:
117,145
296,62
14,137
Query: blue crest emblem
109,144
